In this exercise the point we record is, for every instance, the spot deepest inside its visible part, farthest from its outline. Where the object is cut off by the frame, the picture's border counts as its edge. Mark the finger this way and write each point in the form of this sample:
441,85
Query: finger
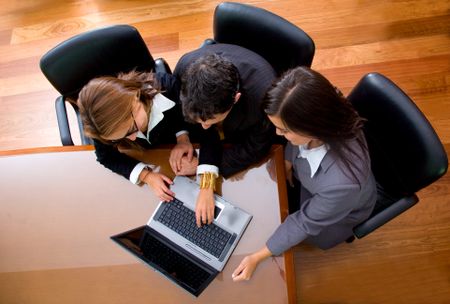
163,197
167,192
210,214
173,164
190,154
197,218
174,158
166,179
181,172
241,276
204,217
179,163
238,270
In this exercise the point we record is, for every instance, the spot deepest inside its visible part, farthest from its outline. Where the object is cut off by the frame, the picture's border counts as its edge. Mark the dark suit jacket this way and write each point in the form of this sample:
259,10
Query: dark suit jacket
163,133
246,128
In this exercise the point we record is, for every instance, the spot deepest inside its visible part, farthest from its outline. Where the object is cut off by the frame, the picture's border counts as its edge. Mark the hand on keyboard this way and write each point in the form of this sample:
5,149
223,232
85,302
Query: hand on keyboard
159,184
204,210
180,219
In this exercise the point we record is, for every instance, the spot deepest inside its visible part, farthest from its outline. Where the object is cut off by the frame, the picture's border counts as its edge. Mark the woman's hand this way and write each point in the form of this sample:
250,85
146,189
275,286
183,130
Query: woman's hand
182,148
204,210
248,265
159,184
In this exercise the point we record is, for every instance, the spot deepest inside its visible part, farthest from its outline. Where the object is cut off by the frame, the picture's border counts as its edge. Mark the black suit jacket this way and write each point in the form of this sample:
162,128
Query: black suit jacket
163,133
246,128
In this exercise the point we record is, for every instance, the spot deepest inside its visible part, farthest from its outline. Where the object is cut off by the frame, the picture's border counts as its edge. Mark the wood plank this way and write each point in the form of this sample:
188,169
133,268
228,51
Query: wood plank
5,37
55,149
409,74
19,67
384,31
385,51
405,261
409,280
162,43
75,25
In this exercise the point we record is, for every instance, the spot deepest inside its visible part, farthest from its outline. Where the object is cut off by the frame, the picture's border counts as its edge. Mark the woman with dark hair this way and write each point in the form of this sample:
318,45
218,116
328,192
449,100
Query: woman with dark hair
128,114
327,155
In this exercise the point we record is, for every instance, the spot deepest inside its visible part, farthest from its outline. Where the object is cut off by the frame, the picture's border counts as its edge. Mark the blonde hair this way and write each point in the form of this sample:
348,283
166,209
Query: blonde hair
105,103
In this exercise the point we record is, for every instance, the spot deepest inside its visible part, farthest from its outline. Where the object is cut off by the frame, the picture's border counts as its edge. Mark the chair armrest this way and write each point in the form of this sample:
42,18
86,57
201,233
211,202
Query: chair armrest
63,122
208,41
161,66
84,140
384,216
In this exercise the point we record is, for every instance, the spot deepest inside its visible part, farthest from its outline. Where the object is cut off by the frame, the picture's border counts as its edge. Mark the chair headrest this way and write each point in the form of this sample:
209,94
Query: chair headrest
405,151
100,52
280,42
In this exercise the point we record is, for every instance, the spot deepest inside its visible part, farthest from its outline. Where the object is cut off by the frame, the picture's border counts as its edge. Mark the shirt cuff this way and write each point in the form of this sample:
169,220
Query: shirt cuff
207,168
134,175
181,133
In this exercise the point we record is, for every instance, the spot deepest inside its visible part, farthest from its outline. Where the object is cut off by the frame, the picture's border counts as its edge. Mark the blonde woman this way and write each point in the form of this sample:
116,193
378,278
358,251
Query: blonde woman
130,113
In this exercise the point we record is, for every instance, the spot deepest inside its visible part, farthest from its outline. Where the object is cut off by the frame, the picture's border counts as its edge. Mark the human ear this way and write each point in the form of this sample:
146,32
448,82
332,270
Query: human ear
237,96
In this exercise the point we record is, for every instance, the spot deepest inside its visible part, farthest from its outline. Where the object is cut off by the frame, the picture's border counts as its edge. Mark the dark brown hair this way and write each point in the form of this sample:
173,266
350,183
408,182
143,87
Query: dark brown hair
307,103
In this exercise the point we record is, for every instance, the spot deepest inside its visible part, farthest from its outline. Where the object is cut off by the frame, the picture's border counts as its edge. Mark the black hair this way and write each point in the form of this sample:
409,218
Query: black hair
208,87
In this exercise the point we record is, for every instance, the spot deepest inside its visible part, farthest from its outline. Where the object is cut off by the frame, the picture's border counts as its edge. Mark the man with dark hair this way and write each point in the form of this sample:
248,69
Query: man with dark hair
222,88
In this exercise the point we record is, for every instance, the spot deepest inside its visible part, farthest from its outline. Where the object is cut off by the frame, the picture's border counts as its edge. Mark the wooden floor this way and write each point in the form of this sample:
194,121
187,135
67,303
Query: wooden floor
406,261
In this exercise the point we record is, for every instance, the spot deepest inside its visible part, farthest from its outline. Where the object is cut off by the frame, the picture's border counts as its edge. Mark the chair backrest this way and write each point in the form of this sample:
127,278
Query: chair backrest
100,52
405,151
280,42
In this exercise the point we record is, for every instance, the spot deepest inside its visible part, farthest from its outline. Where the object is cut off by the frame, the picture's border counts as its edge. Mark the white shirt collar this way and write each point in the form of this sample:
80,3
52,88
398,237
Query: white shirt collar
160,104
314,156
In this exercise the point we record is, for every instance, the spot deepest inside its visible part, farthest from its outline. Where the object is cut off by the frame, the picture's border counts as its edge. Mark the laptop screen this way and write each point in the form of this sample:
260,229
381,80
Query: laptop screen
157,251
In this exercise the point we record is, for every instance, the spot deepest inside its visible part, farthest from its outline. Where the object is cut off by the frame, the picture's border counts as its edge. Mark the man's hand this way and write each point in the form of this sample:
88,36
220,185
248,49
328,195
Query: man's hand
204,210
182,148
188,167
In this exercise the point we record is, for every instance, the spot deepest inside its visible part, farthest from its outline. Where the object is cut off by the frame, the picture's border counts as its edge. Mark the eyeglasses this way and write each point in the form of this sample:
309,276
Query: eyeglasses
135,127
130,132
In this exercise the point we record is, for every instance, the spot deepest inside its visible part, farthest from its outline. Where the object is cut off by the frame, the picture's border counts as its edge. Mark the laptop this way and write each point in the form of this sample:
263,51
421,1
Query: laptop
172,244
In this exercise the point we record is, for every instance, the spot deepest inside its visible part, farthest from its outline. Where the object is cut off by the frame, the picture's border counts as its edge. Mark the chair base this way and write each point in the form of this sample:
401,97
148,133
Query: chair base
350,239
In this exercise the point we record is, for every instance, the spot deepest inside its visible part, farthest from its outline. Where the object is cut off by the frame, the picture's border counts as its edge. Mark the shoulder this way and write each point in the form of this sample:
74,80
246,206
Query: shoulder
335,172
236,54
169,85
223,49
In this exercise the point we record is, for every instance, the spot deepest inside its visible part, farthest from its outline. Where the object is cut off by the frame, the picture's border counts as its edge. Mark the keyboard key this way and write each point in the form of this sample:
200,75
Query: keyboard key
181,219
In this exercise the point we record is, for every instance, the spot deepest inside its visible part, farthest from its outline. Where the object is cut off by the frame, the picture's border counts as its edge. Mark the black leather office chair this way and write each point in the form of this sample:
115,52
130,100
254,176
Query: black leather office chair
406,153
280,42
100,52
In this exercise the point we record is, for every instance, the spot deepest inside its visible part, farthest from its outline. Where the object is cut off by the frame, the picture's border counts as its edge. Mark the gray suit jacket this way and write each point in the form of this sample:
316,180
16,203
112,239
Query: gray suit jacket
331,203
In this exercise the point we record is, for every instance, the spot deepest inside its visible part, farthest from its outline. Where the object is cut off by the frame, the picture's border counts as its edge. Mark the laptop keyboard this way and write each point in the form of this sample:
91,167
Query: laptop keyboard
181,219
176,265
